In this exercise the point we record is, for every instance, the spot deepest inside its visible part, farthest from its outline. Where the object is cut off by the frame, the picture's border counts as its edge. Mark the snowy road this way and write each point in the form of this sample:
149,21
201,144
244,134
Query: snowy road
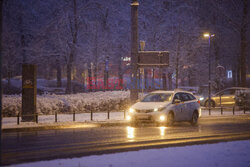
52,144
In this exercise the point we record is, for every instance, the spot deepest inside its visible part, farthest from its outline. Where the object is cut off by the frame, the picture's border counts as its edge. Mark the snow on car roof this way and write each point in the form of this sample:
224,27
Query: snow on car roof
162,91
237,88
170,91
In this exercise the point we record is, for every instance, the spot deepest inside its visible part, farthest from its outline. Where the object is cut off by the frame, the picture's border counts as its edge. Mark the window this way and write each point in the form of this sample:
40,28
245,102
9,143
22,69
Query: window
185,97
157,97
229,74
177,96
191,97
228,92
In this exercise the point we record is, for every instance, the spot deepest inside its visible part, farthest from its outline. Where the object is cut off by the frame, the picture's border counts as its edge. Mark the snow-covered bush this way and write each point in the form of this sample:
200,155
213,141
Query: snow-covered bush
78,103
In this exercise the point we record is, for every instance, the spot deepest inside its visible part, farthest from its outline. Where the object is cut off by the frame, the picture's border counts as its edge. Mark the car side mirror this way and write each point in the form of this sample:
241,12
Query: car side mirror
176,101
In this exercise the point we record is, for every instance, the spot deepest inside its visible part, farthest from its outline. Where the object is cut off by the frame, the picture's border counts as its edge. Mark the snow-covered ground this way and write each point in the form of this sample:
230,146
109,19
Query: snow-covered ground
228,154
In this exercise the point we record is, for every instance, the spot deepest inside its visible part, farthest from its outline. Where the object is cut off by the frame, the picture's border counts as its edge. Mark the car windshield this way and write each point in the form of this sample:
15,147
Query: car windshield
157,97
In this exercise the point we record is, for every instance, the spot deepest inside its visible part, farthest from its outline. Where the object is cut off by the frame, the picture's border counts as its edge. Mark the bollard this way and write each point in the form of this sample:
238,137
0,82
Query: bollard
55,116
233,109
74,116
36,115
209,110
244,108
221,111
18,118
108,114
91,116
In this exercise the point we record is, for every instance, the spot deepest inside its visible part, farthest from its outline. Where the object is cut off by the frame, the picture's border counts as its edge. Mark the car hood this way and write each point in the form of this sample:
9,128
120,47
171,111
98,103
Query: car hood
149,105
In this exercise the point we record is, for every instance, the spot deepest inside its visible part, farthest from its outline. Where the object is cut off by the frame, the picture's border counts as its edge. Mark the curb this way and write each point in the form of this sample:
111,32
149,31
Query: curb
72,125
63,126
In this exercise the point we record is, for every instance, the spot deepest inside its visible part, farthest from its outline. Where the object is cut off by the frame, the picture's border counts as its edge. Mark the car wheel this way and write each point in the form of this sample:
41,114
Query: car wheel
212,103
170,119
194,119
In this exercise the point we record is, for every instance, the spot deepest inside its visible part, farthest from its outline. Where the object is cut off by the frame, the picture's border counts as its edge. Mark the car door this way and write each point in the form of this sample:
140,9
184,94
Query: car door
178,107
227,98
191,106
187,106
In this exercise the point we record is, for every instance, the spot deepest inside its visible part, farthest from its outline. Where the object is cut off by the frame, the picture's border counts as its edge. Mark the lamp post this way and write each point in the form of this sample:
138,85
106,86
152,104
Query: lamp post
209,36
220,68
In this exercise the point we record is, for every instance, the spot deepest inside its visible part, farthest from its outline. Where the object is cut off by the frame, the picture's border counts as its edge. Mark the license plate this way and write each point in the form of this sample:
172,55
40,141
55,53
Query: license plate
143,117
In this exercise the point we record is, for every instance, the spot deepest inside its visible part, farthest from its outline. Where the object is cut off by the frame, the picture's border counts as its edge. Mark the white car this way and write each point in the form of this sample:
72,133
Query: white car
166,107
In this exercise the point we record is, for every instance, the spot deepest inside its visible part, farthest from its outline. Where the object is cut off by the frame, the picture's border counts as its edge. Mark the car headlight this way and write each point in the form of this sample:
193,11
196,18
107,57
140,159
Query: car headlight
128,118
162,118
131,110
201,98
158,109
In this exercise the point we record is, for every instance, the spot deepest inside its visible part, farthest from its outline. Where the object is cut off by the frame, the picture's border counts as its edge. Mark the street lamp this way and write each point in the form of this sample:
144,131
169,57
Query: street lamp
209,36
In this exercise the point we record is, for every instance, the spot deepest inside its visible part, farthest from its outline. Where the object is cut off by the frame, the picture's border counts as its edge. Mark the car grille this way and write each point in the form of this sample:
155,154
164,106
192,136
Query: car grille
144,111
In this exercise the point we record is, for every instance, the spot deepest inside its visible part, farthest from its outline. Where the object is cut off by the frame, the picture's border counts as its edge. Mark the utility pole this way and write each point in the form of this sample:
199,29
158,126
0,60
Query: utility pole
134,50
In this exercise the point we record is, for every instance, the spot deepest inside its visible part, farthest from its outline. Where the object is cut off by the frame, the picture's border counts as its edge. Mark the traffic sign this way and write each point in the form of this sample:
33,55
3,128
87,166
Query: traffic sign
153,59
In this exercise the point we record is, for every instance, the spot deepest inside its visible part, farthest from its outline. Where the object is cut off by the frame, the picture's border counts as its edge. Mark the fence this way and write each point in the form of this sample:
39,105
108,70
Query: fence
119,115
73,116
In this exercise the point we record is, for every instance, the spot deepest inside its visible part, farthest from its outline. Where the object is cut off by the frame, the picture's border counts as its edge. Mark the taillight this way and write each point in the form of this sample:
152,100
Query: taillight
199,101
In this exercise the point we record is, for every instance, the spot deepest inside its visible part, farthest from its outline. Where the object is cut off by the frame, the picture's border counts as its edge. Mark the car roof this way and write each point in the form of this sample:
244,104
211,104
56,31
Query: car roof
170,91
162,91
237,88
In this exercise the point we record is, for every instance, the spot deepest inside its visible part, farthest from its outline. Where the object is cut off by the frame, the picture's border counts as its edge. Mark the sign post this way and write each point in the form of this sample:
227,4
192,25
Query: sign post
29,91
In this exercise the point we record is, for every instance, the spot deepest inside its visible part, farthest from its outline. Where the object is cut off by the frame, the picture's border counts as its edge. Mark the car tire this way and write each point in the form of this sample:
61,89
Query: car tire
194,119
170,119
207,103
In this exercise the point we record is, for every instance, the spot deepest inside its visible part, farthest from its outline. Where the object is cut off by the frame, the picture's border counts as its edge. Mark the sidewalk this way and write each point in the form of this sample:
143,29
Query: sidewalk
83,120
9,124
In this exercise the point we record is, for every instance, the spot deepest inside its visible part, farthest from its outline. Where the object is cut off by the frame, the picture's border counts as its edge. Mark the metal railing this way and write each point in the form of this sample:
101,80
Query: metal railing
74,115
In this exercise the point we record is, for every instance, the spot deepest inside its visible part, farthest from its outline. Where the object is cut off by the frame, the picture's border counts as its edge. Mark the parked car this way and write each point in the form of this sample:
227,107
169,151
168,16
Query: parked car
226,97
243,99
165,107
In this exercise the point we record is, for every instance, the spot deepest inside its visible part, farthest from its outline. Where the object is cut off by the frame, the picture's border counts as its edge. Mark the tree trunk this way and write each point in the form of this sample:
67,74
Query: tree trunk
170,81
58,74
95,76
96,56
74,31
243,44
69,86
9,80
90,79
234,71
153,79
146,78
120,75
177,63
164,79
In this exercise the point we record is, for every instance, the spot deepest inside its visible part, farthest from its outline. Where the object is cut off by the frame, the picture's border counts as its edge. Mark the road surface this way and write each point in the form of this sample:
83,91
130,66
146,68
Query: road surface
19,147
